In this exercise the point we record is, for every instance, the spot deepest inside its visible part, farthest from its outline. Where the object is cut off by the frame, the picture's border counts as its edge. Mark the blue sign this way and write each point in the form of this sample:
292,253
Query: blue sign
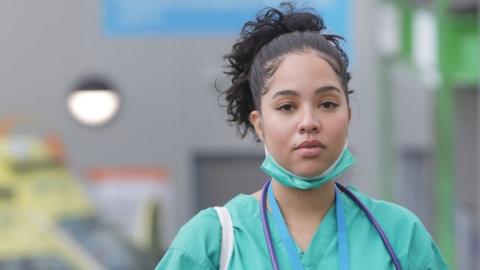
206,17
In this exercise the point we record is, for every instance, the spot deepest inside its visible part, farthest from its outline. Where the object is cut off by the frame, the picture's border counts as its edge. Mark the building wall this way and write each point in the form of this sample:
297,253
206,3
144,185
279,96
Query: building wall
170,106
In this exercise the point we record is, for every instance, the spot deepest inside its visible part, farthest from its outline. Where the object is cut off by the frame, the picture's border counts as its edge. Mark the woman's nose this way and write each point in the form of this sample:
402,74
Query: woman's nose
309,123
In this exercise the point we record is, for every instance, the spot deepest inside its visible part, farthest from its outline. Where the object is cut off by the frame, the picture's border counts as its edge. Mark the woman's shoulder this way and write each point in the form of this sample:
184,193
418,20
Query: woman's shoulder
243,205
405,231
395,219
391,212
196,245
199,240
206,222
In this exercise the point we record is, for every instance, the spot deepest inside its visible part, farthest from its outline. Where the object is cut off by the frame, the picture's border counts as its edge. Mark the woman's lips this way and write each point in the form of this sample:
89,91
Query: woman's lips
308,152
309,149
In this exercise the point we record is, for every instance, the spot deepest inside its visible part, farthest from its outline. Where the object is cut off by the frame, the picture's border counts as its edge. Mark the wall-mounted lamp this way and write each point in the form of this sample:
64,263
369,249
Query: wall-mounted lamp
93,102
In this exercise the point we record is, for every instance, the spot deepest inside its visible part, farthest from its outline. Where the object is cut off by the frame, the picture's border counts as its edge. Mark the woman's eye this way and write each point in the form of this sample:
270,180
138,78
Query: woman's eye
329,105
286,107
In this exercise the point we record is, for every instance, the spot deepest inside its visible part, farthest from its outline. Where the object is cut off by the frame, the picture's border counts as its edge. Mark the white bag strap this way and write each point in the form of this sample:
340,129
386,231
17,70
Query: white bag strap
227,236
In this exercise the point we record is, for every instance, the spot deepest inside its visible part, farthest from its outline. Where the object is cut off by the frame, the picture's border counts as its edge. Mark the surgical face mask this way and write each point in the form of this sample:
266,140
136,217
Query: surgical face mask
287,178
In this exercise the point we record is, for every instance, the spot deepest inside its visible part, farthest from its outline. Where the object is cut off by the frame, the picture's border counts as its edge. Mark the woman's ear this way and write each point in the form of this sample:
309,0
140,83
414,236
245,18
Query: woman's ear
256,121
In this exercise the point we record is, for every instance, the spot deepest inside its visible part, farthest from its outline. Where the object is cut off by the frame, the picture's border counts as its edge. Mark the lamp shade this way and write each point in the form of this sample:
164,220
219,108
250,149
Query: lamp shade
93,102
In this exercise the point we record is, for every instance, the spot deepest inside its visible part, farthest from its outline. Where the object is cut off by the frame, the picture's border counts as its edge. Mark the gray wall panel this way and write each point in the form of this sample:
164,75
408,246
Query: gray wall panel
170,108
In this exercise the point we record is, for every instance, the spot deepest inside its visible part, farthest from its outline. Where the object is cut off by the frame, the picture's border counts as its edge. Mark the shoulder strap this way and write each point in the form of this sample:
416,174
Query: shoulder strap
228,237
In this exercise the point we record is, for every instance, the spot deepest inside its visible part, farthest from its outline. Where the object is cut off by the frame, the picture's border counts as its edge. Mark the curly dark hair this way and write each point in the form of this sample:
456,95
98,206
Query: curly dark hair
260,49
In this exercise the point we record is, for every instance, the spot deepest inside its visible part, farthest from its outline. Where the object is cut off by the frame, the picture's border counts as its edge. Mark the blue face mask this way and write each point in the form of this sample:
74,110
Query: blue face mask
289,179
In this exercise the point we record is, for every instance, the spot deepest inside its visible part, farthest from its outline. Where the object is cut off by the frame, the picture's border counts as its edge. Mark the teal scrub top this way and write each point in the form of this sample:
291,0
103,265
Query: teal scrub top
198,243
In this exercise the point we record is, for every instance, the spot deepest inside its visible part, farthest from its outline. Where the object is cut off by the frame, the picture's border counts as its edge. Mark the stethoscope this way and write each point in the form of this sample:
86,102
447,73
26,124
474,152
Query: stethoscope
352,196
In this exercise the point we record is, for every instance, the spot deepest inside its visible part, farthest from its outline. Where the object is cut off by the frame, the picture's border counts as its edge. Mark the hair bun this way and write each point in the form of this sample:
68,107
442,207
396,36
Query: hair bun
269,24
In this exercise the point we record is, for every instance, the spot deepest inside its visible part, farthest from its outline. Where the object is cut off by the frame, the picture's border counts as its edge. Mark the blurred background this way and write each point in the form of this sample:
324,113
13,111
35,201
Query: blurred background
111,136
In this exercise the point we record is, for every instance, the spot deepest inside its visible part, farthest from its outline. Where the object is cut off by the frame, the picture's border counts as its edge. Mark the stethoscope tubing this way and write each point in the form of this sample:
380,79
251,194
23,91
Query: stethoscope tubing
375,224
352,196
266,228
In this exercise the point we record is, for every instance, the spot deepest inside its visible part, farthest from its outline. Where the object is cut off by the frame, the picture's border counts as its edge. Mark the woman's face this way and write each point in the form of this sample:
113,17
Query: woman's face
304,114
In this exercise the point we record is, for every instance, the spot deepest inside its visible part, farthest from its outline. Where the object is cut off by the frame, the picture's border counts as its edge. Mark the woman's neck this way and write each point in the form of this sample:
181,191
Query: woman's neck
311,204
304,210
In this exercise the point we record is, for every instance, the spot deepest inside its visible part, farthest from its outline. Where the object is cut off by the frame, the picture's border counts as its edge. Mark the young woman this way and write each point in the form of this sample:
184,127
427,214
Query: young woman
290,90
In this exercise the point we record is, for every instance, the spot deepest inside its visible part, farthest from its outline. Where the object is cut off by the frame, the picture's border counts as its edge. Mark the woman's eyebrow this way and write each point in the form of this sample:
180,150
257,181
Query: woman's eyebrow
285,93
295,94
326,89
